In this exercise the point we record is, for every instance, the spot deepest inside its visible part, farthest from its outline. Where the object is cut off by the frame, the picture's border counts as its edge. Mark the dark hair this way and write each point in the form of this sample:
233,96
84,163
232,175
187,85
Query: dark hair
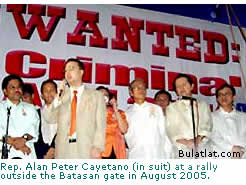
46,82
27,88
80,64
181,75
111,96
9,78
225,86
103,87
163,92
137,79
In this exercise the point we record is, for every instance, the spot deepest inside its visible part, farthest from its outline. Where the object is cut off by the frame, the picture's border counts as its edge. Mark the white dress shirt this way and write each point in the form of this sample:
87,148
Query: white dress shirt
23,119
229,130
80,91
146,136
48,128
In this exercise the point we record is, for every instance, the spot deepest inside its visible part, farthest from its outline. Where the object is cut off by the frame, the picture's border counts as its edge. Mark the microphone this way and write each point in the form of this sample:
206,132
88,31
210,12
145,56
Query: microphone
187,98
61,90
5,149
8,110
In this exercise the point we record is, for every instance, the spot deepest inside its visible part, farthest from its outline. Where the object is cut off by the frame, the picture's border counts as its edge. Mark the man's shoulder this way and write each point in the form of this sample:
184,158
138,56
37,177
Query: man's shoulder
154,106
236,113
215,113
2,103
129,109
94,96
88,90
174,108
241,114
202,103
92,92
148,105
156,109
29,106
173,105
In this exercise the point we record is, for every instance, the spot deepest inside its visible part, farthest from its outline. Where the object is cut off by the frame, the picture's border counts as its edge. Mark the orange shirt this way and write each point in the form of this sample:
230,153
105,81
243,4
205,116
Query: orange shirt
114,138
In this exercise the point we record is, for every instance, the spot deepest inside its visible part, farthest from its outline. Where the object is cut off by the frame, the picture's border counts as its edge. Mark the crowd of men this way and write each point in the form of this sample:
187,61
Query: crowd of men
79,122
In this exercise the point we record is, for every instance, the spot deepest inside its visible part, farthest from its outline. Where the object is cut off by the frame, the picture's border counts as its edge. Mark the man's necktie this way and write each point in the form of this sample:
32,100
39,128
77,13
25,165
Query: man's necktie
73,113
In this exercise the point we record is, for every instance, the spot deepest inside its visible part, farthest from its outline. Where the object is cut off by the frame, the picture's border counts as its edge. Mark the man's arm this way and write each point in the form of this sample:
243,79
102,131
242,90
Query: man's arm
190,142
33,130
205,120
168,149
50,112
174,123
120,116
99,138
239,144
50,153
19,143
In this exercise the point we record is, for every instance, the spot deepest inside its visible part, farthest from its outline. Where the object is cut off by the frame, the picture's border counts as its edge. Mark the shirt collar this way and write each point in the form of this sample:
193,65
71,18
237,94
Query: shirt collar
144,104
79,90
184,102
227,113
10,104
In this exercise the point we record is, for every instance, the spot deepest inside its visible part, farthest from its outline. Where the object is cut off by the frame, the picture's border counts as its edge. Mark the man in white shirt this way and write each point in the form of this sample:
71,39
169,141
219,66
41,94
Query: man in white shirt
180,122
48,128
81,116
146,136
45,146
229,131
23,120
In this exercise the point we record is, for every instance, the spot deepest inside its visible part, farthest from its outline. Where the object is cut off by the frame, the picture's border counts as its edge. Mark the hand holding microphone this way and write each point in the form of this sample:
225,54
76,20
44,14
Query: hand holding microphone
61,89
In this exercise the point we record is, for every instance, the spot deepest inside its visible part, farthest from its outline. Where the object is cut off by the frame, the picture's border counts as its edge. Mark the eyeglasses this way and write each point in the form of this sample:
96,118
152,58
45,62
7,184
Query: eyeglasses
225,94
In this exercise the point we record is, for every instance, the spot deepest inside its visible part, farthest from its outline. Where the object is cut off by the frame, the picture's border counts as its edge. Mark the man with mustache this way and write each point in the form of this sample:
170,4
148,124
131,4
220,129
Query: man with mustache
146,135
23,120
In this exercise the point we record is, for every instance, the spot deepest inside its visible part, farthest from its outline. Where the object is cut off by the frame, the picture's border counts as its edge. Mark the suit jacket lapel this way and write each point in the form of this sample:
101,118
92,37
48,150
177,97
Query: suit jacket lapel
83,111
83,101
67,97
66,101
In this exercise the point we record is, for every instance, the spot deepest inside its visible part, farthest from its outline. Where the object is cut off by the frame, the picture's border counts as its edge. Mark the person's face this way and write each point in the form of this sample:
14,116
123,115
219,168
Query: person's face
162,100
13,91
183,87
105,94
138,91
49,93
73,74
225,97
28,98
